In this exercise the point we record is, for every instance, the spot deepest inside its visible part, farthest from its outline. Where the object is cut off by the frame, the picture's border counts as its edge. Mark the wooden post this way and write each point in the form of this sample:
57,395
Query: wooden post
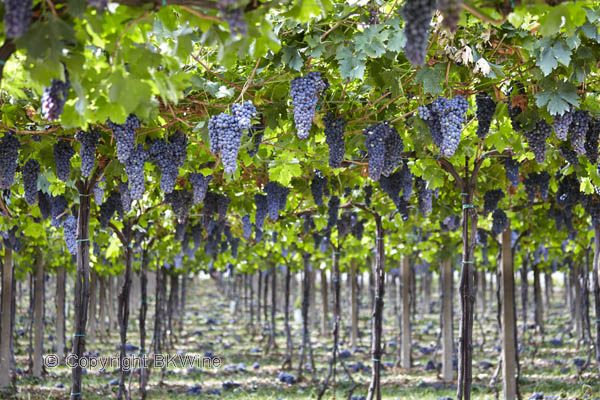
447,333
92,307
38,316
406,328
5,323
508,319
325,308
354,283
60,313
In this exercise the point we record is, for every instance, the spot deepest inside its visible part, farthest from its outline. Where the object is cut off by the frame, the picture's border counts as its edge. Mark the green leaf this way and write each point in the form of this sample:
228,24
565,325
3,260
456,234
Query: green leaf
351,66
557,98
291,57
431,80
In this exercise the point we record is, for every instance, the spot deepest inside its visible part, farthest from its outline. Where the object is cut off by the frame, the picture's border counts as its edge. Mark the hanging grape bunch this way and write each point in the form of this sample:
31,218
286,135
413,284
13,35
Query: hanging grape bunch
17,17
304,92
561,124
125,197
384,149
511,168
334,136
181,203
537,139
134,168
491,198
445,119
54,98
233,15
276,199
333,207
109,207
69,226
9,152
417,17
591,140
568,154
450,223
87,152
393,151
317,187
535,182
63,151
256,132
486,107
125,136
200,186
169,156
58,205
44,204
500,222
225,133
30,174
247,227
424,197
98,190
450,10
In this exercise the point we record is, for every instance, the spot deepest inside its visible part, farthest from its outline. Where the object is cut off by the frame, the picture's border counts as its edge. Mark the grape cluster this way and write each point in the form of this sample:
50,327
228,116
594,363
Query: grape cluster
450,223
561,124
134,168
9,152
591,140
258,234
54,98
393,151
535,181
87,152
98,190
225,133
333,207
368,194
334,136
125,197
537,139
317,187
276,199
345,223
358,229
125,136
516,111
373,14
69,226
384,148
30,174
417,16
181,203
109,207
450,10
17,17
511,168
392,186
169,156
481,237
424,197
406,181
44,204
260,200
578,130
500,221
591,204
247,227
491,198
63,151
58,204
197,235
256,132
304,93
486,107
445,119
200,186
568,154
568,194
234,16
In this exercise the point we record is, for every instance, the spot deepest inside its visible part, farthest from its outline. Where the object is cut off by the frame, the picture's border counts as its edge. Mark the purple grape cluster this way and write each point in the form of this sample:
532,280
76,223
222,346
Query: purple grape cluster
30,174
561,124
17,17
424,197
334,136
568,193
392,186
225,133
591,204
169,156
384,149
537,181
317,187
591,141
406,181
445,119
304,93
256,132
511,168
9,153
393,151
491,198
486,107
44,204
87,152
63,151
578,130
125,136
261,203
54,98
134,168
537,139
276,199
516,111
450,10
125,197
199,186
368,195
500,222
98,190
109,207
234,16
69,226
58,204
417,16
246,226
358,229
568,154
333,207
450,223
181,203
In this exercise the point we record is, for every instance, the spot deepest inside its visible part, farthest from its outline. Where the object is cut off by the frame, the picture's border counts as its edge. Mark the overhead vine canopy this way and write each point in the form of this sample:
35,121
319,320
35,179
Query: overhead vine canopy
220,121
